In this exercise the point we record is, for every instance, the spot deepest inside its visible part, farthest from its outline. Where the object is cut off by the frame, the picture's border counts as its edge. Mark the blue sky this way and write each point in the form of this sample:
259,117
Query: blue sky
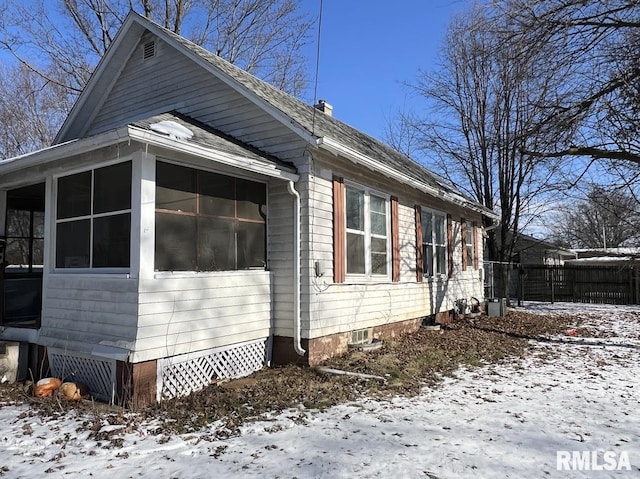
368,48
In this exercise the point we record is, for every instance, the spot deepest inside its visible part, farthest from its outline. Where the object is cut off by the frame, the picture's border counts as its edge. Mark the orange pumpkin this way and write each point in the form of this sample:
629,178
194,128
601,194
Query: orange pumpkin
46,386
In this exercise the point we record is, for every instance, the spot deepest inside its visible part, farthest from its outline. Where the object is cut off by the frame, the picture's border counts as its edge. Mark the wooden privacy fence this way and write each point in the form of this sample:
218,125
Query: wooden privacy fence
580,284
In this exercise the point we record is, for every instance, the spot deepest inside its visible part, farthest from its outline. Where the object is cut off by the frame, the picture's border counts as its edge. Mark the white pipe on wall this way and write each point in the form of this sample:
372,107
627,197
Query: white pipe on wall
296,271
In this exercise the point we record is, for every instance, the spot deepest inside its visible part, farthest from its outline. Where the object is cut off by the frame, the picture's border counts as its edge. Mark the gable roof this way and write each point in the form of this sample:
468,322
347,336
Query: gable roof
527,242
311,125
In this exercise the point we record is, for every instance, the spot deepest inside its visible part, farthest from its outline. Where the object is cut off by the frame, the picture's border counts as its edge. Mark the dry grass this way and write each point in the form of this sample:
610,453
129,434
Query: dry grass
408,363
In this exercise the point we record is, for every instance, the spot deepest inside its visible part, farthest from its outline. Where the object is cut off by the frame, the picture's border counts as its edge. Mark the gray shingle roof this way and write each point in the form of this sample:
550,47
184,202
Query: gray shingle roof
205,135
319,124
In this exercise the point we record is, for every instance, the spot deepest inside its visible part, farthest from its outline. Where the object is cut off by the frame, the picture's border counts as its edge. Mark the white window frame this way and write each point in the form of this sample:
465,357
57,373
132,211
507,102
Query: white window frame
368,274
91,216
470,245
434,213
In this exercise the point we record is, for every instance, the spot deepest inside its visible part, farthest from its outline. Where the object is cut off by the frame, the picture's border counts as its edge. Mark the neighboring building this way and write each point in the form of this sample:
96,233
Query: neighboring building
606,257
530,250
191,222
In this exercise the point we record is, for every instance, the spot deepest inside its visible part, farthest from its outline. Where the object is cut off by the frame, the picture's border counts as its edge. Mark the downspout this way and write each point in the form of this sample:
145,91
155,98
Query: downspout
296,271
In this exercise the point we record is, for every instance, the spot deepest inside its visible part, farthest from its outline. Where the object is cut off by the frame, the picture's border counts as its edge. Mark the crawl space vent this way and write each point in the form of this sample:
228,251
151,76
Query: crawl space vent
149,50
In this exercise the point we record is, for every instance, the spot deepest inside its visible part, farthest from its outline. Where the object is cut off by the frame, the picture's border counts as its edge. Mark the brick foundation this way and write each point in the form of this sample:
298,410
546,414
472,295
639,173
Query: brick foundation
325,347
137,383
444,317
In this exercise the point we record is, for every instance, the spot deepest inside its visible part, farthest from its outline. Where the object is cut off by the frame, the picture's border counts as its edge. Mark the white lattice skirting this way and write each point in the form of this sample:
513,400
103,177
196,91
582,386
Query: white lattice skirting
99,374
184,374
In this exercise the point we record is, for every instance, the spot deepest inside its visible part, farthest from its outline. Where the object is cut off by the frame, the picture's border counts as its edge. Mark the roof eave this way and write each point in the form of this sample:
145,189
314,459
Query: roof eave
156,139
64,150
131,133
357,157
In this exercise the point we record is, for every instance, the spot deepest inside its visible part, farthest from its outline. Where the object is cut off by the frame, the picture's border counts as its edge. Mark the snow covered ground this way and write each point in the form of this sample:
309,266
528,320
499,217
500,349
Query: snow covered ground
495,422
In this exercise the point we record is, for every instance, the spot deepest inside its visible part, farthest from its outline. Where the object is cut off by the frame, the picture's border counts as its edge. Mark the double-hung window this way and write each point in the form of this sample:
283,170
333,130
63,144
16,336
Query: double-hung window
470,246
93,218
434,243
367,231
207,221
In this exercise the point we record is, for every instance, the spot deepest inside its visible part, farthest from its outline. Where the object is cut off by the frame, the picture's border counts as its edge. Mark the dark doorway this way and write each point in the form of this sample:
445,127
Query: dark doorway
23,257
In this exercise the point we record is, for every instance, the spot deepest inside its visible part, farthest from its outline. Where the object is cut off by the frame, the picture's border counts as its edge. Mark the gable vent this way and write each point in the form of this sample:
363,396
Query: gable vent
149,50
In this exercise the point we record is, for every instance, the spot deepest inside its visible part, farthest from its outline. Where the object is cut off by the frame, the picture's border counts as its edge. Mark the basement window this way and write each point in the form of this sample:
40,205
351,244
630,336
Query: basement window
360,336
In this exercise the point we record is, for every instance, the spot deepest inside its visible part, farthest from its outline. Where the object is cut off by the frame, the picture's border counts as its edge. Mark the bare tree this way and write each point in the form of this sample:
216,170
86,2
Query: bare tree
30,111
487,97
61,41
599,42
604,218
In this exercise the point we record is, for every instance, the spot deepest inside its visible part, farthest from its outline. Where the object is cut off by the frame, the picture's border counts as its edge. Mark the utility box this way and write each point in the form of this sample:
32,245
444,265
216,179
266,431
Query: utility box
496,306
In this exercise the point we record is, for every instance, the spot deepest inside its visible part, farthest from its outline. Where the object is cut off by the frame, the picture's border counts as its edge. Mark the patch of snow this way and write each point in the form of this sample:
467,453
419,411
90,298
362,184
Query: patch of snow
623,250
597,259
172,129
506,420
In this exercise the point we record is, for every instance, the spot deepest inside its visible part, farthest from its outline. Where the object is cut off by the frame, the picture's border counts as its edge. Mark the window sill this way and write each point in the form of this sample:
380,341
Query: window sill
363,279
441,278
91,273
208,274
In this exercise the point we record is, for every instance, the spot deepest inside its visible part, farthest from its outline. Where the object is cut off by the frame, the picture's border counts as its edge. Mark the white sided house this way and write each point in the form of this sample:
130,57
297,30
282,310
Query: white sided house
191,222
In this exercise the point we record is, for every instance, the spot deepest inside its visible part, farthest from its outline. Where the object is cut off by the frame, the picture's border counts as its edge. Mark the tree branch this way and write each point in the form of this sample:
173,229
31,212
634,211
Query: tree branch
591,151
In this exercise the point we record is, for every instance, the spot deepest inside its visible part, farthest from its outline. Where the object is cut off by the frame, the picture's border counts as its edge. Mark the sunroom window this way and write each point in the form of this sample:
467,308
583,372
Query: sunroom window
93,218
208,221
367,221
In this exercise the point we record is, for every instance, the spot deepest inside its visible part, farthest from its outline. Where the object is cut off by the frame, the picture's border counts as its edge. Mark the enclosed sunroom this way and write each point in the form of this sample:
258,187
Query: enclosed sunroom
139,260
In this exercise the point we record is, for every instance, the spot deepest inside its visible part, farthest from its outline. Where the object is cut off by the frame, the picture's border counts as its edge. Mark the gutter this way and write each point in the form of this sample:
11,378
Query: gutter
354,155
64,150
296,271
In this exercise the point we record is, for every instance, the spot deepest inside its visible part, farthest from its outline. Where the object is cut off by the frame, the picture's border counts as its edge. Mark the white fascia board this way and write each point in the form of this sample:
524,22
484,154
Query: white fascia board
226,158
63,150
340,149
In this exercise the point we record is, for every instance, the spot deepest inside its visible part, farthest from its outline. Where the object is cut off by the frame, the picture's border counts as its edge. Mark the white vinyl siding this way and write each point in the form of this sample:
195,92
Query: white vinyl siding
197,312
280,254
337,308
142,90
89,313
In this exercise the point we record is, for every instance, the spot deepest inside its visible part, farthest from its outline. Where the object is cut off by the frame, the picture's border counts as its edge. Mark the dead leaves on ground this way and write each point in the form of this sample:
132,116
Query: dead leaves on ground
409,363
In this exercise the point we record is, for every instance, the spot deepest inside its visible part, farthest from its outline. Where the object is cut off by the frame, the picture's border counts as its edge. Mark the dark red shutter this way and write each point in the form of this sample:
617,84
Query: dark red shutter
339,228
419,270
395,241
